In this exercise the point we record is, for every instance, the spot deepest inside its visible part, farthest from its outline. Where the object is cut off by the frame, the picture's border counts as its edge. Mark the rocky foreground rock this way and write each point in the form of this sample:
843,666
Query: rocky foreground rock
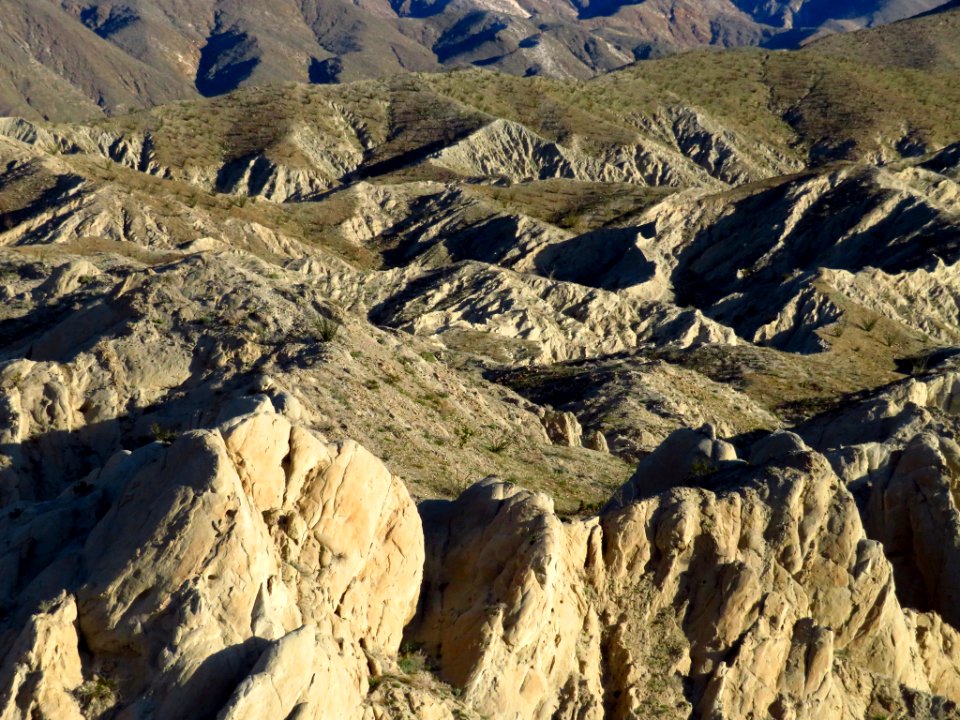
253,570
242,571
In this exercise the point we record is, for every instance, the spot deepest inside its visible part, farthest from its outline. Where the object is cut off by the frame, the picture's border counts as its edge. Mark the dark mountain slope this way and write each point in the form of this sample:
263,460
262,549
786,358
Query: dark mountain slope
68,59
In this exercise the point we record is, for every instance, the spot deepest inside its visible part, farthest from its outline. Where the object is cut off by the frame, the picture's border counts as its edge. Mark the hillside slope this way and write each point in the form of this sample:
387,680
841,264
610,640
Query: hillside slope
69,60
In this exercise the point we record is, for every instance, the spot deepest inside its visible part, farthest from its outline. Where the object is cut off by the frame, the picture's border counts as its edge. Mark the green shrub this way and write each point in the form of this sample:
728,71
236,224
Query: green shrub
869,325
702,468
162,434
412,659
500,444
326,329
96,695
464,434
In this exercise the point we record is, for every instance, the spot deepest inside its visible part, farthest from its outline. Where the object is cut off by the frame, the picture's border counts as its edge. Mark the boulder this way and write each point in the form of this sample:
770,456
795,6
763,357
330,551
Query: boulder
562,428
914,512
242,569
596,440
686,457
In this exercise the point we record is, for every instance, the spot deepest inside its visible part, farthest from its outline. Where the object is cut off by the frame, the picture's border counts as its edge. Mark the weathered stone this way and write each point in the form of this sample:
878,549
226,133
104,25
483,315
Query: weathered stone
41,669
534,617
596,440
562,428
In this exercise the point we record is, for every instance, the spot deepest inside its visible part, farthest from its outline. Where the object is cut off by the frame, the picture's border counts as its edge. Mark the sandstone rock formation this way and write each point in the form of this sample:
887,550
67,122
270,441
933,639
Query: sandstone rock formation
42,668
207,569
241,570
210,573
686,457
596,441
732,602
562,428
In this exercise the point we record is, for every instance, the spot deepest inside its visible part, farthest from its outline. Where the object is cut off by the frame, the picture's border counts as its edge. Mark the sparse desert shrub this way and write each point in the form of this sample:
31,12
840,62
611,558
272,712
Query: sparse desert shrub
918,365
500,444
96,695
326,329
412,659
464,434
838,329
47,605
411,664
162,434
702,468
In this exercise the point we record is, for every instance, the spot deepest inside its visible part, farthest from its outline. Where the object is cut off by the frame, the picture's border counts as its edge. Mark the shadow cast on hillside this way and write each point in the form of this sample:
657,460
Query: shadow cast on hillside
608,259
722,260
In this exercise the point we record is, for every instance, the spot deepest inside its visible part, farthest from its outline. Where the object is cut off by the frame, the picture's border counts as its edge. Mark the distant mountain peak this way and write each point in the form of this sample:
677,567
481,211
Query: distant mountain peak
65,59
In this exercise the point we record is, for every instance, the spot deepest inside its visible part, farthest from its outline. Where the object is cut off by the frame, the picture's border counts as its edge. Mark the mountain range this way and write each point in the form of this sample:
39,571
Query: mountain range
75,59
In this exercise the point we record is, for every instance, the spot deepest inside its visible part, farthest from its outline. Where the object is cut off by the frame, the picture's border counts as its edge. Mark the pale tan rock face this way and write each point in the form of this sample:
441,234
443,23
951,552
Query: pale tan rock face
596,440
686,457
939,646
356,530
562,428
914,512
767,597
254,571
242,570
41,668
184,537
499,609
303,674
172,547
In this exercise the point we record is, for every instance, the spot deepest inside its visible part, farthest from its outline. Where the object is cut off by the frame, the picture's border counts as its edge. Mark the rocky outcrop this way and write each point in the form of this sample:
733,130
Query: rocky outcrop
701,591
196,392
562,428
691,603
686,457
680,147
41,671
914,512
248,564
634,403
761,282
596,440
321,159
533,319
510,150
720,152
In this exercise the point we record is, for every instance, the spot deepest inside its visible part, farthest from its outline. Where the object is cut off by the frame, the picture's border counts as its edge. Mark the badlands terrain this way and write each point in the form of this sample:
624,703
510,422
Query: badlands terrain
468,395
